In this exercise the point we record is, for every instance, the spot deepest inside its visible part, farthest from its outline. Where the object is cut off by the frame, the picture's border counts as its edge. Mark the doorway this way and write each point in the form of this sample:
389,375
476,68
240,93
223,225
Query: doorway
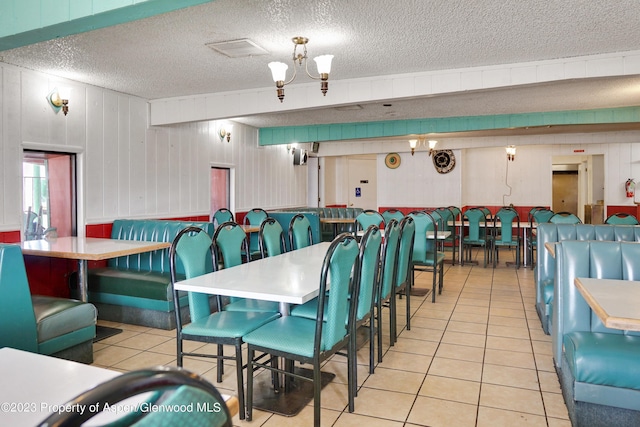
578,186
49,201
220,189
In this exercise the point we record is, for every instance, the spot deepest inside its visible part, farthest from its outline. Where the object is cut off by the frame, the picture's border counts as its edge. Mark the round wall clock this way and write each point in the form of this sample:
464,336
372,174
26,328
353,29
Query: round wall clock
392,160
444,161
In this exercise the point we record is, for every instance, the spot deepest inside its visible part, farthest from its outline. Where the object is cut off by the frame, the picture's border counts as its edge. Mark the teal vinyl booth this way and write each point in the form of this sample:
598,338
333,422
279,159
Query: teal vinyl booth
136,289
599,367
53,326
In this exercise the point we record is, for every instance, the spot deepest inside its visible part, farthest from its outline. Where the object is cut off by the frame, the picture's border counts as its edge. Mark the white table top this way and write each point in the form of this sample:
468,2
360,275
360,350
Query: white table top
615,302
88,248
293,277
32,384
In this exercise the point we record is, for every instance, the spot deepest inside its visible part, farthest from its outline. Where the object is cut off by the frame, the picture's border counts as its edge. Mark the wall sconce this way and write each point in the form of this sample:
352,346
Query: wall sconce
511,153
279,69
58,102
432,146
291,149
225,132
412,144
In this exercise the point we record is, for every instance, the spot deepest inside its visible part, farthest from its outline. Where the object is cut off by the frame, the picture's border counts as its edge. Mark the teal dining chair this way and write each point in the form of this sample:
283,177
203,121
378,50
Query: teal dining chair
365,219
222,215
506,235
448,224
390,214
425,255
300,233
192,247
621,218
254,217
164,388
477,235
312,341
271,238
538,215
402,280
387,280
230,244
564,218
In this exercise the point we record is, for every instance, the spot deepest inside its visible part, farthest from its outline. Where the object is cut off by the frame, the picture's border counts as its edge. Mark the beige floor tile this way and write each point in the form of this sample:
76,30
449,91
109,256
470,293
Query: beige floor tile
508,332
394,380
406,345
144,341
145,360
442,413
509,344
512,399
460,369
555,422
460,352
491,417
469,317
112,355
467,327
425,322
422,334
406,362
509,358
509,376
356,420
462,338
451,389
549,382
554,405
384,404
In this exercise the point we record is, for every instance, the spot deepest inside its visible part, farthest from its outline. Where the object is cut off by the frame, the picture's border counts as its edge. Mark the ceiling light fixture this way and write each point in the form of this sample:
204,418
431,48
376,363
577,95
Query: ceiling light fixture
511,153
279,69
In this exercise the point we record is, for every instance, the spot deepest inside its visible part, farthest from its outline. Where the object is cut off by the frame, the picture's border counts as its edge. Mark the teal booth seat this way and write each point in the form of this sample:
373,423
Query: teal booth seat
40,324
327,230
284,218
546,265
599,367
136,289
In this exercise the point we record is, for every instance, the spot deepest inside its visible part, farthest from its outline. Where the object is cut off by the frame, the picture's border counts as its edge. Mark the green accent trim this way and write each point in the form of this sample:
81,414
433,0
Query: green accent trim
344,131
27,22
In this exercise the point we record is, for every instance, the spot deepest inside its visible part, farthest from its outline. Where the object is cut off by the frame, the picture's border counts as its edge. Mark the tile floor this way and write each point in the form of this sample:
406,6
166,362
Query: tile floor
477,357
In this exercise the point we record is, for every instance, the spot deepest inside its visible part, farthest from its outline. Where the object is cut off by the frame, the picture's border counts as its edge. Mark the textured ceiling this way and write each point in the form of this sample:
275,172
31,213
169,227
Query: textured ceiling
166,55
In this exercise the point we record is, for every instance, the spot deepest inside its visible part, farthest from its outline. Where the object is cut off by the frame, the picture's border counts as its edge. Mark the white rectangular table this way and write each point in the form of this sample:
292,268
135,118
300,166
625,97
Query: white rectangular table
34,386
290,278
84,249
615,302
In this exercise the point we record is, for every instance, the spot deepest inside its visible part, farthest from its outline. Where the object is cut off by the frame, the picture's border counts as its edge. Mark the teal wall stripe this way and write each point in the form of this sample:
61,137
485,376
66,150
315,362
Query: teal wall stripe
345,131
25,22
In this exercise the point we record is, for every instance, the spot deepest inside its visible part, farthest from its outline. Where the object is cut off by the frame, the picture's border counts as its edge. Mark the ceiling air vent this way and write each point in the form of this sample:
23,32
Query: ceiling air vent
237,48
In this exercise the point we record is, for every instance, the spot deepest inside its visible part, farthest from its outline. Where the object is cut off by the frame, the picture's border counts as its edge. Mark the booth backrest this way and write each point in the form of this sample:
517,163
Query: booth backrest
153,231
602,260
551,233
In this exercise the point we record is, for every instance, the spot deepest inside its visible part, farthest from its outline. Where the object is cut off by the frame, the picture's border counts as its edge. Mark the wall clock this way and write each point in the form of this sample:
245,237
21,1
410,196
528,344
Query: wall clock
444,161
392,160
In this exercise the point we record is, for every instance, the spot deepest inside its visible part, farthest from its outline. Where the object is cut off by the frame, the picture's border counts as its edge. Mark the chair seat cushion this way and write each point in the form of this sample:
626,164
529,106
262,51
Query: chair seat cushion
299,333
247,304
604,359
228,324
59,316
309,310
429,259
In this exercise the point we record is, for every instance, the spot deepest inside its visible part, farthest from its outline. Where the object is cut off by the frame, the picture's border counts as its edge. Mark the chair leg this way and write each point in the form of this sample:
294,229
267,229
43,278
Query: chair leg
407,290
179,352
220,363
249,403
379,330
240,380
372,336
317,385
392,318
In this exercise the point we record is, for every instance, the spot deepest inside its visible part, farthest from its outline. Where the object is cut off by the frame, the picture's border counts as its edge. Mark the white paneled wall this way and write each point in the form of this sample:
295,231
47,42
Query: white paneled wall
132,170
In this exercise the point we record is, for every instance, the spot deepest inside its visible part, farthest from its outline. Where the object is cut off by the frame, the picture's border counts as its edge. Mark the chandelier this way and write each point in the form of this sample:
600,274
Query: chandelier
279,69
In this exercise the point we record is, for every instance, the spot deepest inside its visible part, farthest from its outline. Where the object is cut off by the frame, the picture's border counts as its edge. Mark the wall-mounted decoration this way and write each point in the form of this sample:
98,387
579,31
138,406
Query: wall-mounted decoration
392,160
444,161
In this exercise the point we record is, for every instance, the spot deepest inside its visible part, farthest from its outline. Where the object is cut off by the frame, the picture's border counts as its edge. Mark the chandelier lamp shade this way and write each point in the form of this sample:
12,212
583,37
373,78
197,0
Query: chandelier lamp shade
413,143
279,69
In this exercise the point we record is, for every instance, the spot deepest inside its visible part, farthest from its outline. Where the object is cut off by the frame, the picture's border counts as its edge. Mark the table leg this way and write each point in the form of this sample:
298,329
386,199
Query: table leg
82,280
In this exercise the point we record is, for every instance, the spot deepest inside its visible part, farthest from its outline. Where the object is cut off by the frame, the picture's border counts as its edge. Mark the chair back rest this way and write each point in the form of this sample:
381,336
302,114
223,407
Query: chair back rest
255,216
447,216
622,219
271,238
193,248
300,234
369,258
405,250
422,246
390,214
541,216
222,215
18,326
168,387
230,242
389,259
368,217
477,220
564,218
338,265
509,220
